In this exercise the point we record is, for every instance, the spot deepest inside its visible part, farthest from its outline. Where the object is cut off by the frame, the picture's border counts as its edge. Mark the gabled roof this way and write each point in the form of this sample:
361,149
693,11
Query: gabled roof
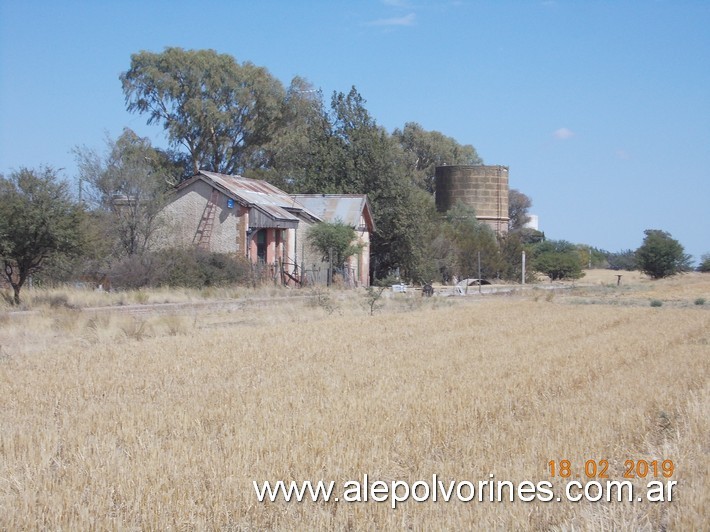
348,208
253,193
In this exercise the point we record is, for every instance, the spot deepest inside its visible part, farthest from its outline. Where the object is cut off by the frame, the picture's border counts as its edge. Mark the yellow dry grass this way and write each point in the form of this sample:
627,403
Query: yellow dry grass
162,422
64,297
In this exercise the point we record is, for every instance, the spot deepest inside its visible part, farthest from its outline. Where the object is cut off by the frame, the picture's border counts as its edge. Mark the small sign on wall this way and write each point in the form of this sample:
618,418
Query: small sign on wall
230,203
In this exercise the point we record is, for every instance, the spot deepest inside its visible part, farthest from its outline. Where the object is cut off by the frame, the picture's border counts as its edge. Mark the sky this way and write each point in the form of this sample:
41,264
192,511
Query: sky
600,109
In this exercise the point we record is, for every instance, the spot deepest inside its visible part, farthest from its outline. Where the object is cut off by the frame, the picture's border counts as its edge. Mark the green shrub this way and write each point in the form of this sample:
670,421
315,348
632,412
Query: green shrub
700,301
656,303
334,238
660,255
558,259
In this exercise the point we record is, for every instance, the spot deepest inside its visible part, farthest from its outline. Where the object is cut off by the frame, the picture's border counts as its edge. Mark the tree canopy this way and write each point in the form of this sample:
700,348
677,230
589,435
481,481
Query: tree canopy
127,185
39,221
236,118
429,149
558,259
340,149
518,206
622,260
660,255
220,111
470,238
334,240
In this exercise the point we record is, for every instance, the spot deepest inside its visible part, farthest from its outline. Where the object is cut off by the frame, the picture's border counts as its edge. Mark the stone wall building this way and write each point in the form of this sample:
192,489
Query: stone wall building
254,219
233,214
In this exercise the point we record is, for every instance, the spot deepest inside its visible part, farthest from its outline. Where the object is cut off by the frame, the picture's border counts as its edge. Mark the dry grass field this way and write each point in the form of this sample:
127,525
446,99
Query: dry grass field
162,420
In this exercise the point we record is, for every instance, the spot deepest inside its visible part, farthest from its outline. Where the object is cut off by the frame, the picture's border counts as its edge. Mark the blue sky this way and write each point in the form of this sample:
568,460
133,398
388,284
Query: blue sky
600,109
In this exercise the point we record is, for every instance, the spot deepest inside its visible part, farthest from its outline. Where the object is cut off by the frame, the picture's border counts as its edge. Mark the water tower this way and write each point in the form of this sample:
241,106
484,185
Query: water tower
485,188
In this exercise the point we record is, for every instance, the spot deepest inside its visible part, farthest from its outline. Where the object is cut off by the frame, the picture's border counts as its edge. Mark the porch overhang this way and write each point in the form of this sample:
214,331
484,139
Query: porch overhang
268,216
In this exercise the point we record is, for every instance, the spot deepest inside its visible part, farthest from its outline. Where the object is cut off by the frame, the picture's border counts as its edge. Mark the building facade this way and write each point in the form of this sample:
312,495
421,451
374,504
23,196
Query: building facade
233,214
354,211
254,219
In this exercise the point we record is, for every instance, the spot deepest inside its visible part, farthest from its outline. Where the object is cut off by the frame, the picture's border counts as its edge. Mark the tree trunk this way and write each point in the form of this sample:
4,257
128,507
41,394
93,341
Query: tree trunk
16,289
16,285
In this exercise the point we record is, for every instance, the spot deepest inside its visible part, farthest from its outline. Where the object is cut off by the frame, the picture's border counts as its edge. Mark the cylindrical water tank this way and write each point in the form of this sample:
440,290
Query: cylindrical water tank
485,188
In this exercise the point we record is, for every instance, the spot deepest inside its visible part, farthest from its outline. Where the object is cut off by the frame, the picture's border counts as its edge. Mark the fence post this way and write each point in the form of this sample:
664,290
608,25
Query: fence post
330,267
479,273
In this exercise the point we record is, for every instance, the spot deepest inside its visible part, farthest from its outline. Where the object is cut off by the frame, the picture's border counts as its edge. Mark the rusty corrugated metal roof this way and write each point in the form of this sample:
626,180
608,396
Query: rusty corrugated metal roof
271,200
348,208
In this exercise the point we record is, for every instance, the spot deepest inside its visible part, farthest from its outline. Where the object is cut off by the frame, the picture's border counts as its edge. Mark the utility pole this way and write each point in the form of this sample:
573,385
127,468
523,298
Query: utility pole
523,277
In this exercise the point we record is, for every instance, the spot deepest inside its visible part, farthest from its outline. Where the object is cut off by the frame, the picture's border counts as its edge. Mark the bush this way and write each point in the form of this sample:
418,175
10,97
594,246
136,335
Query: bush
179,267
557,259
622,260
656,303
336,238
700,301
704,263
660,255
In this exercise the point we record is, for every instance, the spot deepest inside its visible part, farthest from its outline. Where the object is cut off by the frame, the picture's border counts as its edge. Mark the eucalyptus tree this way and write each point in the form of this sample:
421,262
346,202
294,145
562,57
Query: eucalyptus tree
218,110
303,153
429,149
338,148
518,206
373,162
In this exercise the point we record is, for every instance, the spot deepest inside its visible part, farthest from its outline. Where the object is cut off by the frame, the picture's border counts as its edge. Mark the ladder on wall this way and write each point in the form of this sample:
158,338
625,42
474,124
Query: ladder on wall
204,228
